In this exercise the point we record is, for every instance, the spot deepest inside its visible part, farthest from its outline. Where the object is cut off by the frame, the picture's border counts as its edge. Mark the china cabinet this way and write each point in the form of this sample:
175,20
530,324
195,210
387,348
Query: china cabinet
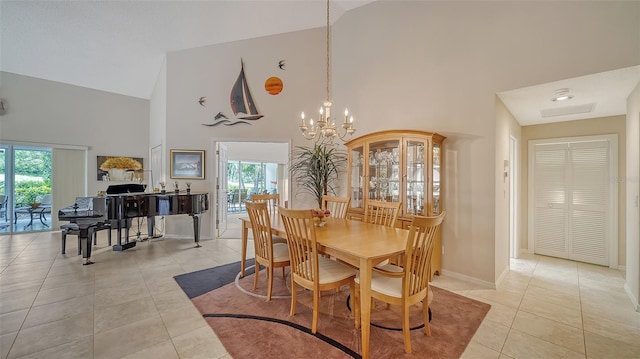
398,165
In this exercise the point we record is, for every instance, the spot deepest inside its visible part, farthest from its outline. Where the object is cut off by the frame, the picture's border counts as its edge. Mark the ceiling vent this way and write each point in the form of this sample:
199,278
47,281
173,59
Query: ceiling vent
568,110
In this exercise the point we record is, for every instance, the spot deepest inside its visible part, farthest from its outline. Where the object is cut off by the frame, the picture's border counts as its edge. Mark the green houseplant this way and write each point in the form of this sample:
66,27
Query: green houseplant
315,169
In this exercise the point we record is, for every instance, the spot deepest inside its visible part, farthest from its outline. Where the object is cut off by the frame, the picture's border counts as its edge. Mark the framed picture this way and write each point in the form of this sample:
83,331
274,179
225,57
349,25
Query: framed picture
187,164
119,168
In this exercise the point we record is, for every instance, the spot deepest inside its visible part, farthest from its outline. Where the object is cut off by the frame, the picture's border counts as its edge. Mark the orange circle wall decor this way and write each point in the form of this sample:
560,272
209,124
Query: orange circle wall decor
273,85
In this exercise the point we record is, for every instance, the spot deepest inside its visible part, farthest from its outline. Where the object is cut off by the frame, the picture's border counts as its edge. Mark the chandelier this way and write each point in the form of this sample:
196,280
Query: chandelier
325,129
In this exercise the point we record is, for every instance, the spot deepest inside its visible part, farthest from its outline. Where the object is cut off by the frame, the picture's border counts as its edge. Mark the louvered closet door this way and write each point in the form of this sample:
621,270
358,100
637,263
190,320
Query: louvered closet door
571,195
550,192
589,202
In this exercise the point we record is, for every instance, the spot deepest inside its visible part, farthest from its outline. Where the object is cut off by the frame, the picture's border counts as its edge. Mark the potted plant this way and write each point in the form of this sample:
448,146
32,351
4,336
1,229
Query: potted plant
315,169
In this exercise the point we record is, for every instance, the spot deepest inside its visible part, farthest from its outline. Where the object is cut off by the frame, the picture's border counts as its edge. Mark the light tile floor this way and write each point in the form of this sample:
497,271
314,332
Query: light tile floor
127,305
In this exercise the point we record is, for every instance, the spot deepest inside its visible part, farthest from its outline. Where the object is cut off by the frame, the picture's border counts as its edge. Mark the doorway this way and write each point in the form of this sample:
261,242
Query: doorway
25,189
251,167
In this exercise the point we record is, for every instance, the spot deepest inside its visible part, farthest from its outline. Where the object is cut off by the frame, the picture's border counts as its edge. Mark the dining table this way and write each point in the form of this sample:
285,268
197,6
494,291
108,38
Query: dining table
362,245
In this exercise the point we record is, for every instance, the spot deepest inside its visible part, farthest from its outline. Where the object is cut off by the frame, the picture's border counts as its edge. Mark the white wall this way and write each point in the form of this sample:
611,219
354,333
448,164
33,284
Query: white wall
633,191
258,152
211,72
41,111
438,65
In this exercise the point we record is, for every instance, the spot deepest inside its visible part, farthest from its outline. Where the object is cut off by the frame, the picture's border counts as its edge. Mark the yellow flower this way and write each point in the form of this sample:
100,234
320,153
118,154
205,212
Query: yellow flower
124,163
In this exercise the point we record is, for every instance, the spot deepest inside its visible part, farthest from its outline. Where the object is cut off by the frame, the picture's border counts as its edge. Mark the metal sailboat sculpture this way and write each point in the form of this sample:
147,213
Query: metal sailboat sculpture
241,100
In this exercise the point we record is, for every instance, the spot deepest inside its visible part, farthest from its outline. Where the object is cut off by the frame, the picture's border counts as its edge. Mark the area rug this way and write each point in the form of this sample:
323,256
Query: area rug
249,327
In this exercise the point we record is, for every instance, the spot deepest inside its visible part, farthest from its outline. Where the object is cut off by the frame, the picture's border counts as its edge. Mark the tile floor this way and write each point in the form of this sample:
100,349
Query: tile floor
127,305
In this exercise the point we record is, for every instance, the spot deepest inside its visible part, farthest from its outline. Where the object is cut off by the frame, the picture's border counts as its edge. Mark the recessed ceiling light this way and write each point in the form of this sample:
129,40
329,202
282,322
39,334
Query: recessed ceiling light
562,95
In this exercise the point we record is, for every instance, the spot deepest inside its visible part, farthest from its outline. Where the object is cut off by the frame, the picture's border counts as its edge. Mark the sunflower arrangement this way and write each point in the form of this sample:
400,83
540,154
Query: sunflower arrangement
123,163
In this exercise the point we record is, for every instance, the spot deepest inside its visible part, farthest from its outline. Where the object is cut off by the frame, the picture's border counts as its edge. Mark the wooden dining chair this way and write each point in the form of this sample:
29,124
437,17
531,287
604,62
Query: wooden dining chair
383,213
407,284
338,206
272,201
308,269
268,254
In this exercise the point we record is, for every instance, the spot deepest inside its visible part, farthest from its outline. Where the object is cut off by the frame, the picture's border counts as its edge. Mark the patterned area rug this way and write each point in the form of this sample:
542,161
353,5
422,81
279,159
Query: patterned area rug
250,327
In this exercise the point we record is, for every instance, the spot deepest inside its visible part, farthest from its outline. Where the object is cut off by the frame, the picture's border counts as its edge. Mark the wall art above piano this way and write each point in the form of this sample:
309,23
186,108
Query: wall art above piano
188,164
120,168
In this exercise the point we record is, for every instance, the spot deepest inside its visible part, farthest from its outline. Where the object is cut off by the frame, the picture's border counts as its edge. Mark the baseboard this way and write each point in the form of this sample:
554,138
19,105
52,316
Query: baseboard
502,276
633,298
466,278
177,236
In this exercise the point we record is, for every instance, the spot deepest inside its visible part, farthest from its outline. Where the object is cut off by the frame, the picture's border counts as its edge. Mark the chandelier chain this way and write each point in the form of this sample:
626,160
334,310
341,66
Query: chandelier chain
328,57
325,129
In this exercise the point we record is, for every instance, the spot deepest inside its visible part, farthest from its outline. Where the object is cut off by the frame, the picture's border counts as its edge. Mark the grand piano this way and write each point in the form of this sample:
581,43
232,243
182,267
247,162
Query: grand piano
124,202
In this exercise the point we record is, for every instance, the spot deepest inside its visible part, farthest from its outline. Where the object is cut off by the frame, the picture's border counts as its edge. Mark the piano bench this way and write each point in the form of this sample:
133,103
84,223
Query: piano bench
73,229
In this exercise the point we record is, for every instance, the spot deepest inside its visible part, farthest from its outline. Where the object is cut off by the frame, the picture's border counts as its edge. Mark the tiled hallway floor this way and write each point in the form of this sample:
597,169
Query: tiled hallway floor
127,305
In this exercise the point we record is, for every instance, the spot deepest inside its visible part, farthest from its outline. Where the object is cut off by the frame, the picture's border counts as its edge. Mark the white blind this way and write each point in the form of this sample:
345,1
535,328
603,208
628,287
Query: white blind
69,179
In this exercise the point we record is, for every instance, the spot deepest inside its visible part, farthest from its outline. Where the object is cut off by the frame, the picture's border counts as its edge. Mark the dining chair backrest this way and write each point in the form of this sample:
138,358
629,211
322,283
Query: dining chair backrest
46,199
420,245
383,213
303,252
338,206
261,228
272,201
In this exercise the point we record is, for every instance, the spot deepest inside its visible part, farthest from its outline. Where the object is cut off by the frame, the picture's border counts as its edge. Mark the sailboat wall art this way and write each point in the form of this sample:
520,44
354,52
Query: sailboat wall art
242,103
241,99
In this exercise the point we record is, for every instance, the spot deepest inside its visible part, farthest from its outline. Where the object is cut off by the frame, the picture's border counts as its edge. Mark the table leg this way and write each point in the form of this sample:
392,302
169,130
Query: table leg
365,305
30,219
43,218
245,236
196,229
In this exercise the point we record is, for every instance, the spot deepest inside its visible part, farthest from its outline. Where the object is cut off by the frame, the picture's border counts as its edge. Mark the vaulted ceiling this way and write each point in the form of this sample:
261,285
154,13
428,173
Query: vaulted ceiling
120,46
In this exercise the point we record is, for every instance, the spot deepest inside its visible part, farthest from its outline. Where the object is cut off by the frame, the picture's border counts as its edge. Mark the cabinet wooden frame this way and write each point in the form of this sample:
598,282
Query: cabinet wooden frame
404,175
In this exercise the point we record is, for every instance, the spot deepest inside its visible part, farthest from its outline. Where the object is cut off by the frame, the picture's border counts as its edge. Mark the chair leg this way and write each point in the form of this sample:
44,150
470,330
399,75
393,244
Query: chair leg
294,293
316,309
269,282
257,274
425,316
109,236
283,276
79,245
356,304
406,331
353,305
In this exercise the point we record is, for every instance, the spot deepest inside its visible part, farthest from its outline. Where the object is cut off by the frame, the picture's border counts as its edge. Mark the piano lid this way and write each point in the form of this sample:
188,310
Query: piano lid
126,188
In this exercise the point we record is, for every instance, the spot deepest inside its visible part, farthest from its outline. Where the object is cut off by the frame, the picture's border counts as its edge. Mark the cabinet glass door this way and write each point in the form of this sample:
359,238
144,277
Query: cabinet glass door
356,188
436,179
384,171
415,177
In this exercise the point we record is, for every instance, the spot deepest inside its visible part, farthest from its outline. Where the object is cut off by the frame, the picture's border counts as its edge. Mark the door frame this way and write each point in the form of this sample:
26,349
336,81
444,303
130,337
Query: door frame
613,189
215,166
514,199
